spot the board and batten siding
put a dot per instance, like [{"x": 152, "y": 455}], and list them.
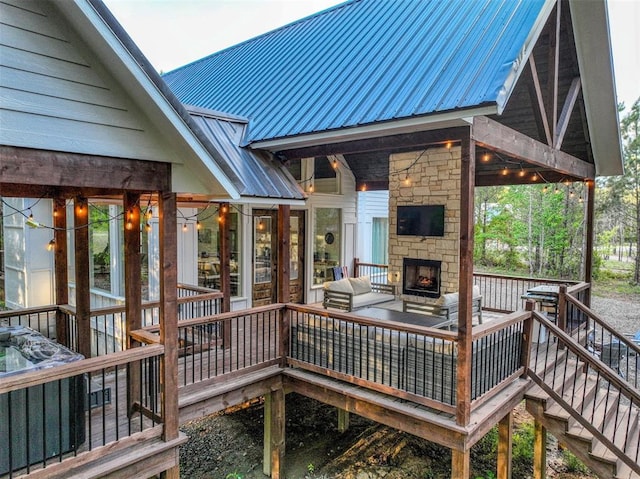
[
  {"x": 56, "y": 95},
  {"x": 371, "y": 204}
]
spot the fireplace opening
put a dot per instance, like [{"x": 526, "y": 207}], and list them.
[{"x": 421, "y": 277}]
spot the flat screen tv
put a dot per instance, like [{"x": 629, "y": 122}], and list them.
[{"x": 423, "y": 220}]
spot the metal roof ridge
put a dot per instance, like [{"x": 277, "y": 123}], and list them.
[{"x": 218, "y": 115}]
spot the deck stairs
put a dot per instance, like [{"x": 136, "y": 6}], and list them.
[{"x": 584, "y": 403}]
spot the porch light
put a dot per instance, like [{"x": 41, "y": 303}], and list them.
[{"x": 52, "y": 244}]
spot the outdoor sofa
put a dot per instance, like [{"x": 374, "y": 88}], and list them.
[{"x": 349, "y": 294}]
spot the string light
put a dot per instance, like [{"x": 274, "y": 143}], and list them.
[
  {"x": 147, "y": 227},
  {"x": 184, "y": 228},
  {"x": 448, "y": 145},
  {"x": 364, "y": 187},
  {"x": 55, "y": 212},
  {"x": 534, "y": 177},
  {"x": 149, "y": 213},
  {"x": 485, "y": 157},
  {"x": 51, "y": 246},
  {"x": 505, "y": 171},
  {"x": 260, "y": 225},
  {"x": 334, "y": 163},
  {"x": 129, "y": 225},
  {"x": 407, "y": 181},
  {"x": 198, "y": 225}
]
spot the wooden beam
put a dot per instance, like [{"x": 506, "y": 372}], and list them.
[
  {"x": 553, "y": 68},
  {"x": 537, "y": 101},
  {"x": 29, "y": 166},
  {"x": 343, "y": 420},
  {"x": 167, "y": 221},
  {"x": 83, "y": 287},
  {"x": 490, "y": 134},
  {"x": 567, "y": 109},
  {"x": 460, "y": 464},
  {"x": 278, "y": 421},
  {"x": 405, "y": 142},
  {"x": 505, "y": 439},
  {"x": 61, "y": 273},
  {"x": 284, "y": 254},
  {"x": 465, "y": 282},
  {"x": 539, "y": 450}
]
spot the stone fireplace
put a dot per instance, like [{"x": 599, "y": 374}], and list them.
[
  {"x": 435, "y": 180},
  {"x": 421, "y": 277}
]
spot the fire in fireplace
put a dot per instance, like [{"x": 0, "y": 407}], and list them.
[{"x": 421, "y": 277}]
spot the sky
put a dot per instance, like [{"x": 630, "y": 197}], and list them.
[{"x": 172, "y": 33}]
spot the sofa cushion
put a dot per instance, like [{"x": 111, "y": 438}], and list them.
[
  {"x": 360, "y": 285},
  {"x": 447, "y": 299},
  {"x": 340, "y": 286},
  {"x": 367, "y": 299}
]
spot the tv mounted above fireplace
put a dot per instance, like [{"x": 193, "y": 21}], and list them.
[{"x": 422, "y": 220}]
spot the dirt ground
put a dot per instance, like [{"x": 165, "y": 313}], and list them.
[{"x": 229, "y": 446}]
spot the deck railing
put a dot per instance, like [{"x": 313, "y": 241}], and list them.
[
  {"x": 108, "y": 325},
  {"x": 503, "y": 294},
  {"x": 53, "y": 414},
  {"x": 378, "y": 273},
  {"x": 586, "y": 387},
  {"x": 412, "y": 362},
  {"x": 619, "y": 352}
]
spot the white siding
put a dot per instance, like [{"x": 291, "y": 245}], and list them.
[
  {"x": 371, "y": 204},
  {"x": 55, "y": 95}
]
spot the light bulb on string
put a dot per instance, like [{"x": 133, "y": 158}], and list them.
[
  {"x": 364, "y": 187},
  {"x": 334, "y": 163},
  {"x": 407, "y": 181},
  {"x": 198, "y": 225},
  {"x": 505, "y": 171},
  {"x": 51, "y": 246},
  {"x": 149, "y": 213},
  {"x": 147, "y": 227},
  {"x": 184, "y": 228}
]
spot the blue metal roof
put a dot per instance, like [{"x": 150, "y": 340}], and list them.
[
  {"x": 253, "y": 173},
  {"x": 362, "y": 62}
]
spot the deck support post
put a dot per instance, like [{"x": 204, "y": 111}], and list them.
[
  {"x": 169, "y": 320},
  {"x": 225, "y": 257},
  {"x": 465, "y": 282},
  {"x": 266, "y": 446},
  {"x": 539, "y": 450},
  {"x": 505, "y": 437},
  {"x": 460, "y": 464},
  {"x": 61, "y": 271},
  {"x": 276, "y": 433},
  {"x": 83, "y": 291},
  {"x": 589, "y": 237},
  {"x": 343, "y": 420}
]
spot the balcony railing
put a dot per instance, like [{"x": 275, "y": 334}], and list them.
[{"x": 54, "y": 414}]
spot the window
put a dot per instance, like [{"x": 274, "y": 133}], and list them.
[
  {"x": 262, "y": 258},
  {"x": 326, "y": 243},
  {"x": 380, "y": 241},
  {"x": 209, "y": 249},
  {"x": 317, "y": 175}
]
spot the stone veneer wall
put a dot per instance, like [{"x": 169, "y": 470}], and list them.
[{"x": 435, "y": 180}]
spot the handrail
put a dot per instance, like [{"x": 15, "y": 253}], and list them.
[
  {"x": 491, "y": 327},
  {"x": 33, "y": 378},
  {"x": 607, "y": 397}
]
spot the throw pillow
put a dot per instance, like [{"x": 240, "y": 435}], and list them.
[{"x": 361, "y": 285}]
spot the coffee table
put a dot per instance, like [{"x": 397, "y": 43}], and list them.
[{"x": 415, "y": 319}]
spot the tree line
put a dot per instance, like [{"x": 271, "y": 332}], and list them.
[{"x": 539, "y": 229}]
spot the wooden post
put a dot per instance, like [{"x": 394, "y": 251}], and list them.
[
  {"x": 266, "y": 445},
  {"x": 61, "y": 271},
  {"x": 225, "y": 256},
  {"x": 527, "y": 338},
  {"x": 356, "y": 268},
  {"x": 132, "y": 274},
  {"x": 505, "y": 437},
  {"x": 561, "y": 319},
  {"x": 539, "y": 450},
  {"x": 284, "y": 254},
  {"x": 465, "y": 281},
  {"x": 83, "y": 287},
  {"x": 460, "y": 464},
  {"x": 589, "y": 233},
  {"x": 169, "y": 318},
  {"x": 277, "y": 433},
  {"x": 343, "y": 420}
]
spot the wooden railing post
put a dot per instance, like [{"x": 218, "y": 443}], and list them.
[
  {"x": 527, "y": 335},
  {"x": 356, "y": 267},
  {"x": 61, "y": 272},
  {"x": 284, "y": 326},
  {"x": 562, "y": 308}
]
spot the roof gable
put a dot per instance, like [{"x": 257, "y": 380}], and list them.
[{"x": 365, "y": 62}]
